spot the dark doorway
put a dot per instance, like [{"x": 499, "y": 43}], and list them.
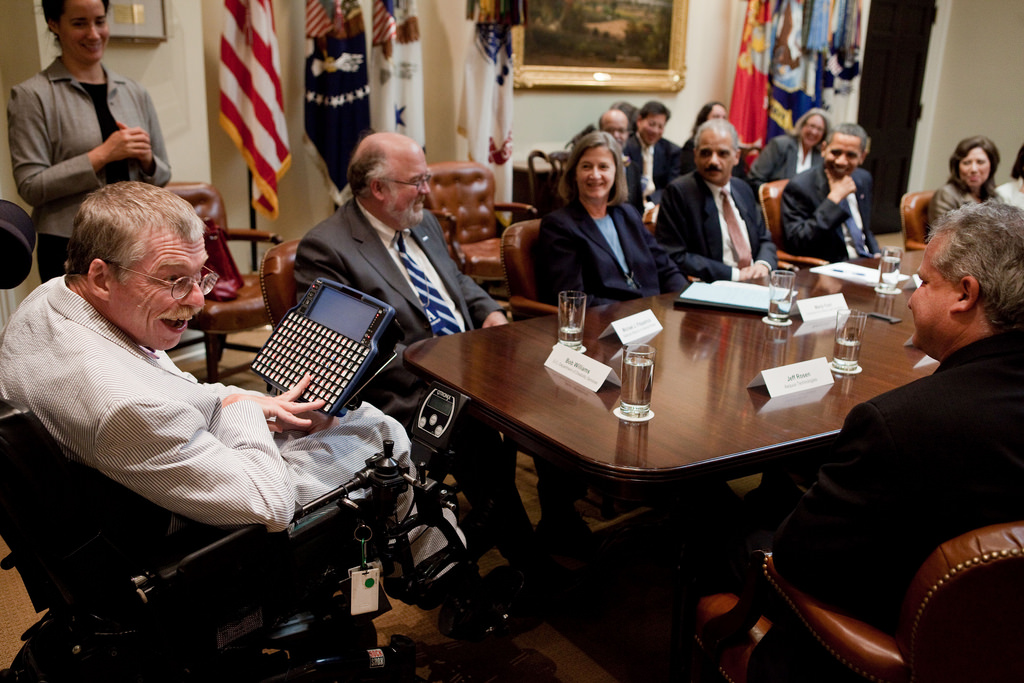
[{"x": 895, "y": 51}]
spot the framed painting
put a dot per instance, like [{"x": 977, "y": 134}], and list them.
[
  {"x": 141, "y": 21},
  {"x": 610, "y": 44}
]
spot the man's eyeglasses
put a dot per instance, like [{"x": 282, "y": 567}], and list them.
[
  {"x": 422, "y": 183},
  {"x": 182, "y": 286}
]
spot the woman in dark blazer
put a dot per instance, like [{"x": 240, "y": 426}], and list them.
[{"x": 598, "y": 242}]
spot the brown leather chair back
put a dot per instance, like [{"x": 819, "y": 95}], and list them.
[
  {"x": 277, "y": 280},
  {"x": 770, "y": 196},
  {"x": 464, "y": 189},
  {"x": 914, "y": 218},
  {"x": 545, "y": 171},
  {"x": 960, "y": 619},
  {"x": 205, "y": 197},
  {"x": 517, "y": 258}
]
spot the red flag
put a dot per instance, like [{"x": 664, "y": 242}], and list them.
[
  {"x": 251, "y": 104},
  {"x": 748, "y": 111}
]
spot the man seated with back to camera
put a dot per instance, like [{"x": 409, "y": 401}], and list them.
[
  {"x": 362, "y": 245},
  {"x": 86, "y": 354},
  {"x": 924, "y": 463}
]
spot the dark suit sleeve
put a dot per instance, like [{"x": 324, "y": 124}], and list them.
[
  {"x": 559, "y": 266},
  {"x": 670, "y": 279},
  {"x": 845, "y": 541},
  {"x": 682, "y": 239},
  {"x": 315, "y": 258},
  {"x": 769, "y": 165},
  {"x": 809, "y": 225}
]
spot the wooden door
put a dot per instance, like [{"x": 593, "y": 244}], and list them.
[{"x": 895, "y": 51}]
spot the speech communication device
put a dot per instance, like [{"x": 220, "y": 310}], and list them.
[{"x": 333, "y": 335}]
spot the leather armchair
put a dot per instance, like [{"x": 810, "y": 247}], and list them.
[
  {"x": 959, "y": 618},
  {"x": 914, "y": 218},
  {"x": 545, "y": 173},
  {"x": 218, "y": 319},
  {"x": 770, "y": 196},
  {"x": 277, "y": 280},
  {"x": 517, "y": 245},
  {"x": 462, "y": 195}
]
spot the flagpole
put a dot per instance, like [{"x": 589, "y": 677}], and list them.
[{"x": 252, "y": 221}]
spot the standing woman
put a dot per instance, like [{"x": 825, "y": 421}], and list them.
[
  {"x": 786, "y": 155},
  {"x": 598, "y": 242},
  {"x": 77, "y": 126},
  {"x": 972, "y": 170}
]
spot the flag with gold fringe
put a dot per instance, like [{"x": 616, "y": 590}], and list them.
[
  {"x": 337, "y": 94},
  {"x": 749, "y": 105},
  {"x": 485, "y": 114},
  {"x": 800, "y": 44},
  {"x": 396, "y": 70},
  {"x": 251, "y": 104}
]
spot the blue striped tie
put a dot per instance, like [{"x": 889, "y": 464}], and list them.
[{"x": 442, "y": 320}]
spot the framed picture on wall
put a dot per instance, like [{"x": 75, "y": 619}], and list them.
[
  {"x": 611, "y": 44},
  {"x": 141, "y": 21}
]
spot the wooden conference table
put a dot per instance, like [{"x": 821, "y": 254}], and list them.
[{"x": 707, "y": 422}]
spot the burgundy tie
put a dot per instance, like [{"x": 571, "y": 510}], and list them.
[{"x": 739, "y": 245}]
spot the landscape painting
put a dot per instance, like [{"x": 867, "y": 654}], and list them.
[{"x": 627, "y": 44}]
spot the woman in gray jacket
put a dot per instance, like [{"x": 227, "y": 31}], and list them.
[{"x": 77, "y": 126}]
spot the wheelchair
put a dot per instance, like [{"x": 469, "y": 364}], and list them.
[{"x": 204, "y": 604}]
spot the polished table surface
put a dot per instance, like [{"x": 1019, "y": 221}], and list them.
[{"x": 707, "y": 422}]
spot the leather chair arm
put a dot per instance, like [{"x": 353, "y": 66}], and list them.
[
  {"x": 528, "y": 209},
  {"x": 914, "y": 245},
  {"x": 528, "y": 308},
  {"x": 254, "y": 235},
  {"x": 805, "y": 260},
  {"x": 447, "y": 221},
  {"x": 859, "y": 646}
]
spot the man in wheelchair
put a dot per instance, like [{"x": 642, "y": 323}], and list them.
[{"x": 140, "y": 577}]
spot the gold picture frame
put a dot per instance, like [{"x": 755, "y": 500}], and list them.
[
  {"x": 670, "y": 76},
  {"x": 137, "y": 21}
]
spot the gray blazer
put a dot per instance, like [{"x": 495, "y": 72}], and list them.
[
  {"x": 345, "y": 248},
  {"x": 52, "y": 125},
  {"x": 777, "y": 161}
]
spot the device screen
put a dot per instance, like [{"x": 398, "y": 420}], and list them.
[{"x": 343, "y": 314}]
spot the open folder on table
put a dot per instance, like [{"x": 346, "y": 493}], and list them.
[{"x": 733, "y": 296}]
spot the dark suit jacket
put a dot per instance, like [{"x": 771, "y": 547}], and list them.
[
  {"x": 813, "y": 224},
  {"x": 778, "y": 160},
  {"x": 689, "y": 229},
  {"x": 666, "y": 162},
  {"x": 573, "y": 254},
  {"x": 345, "y": 248},
  {"x": 910, "y": 470}
]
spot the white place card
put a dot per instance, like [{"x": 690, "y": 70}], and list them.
[
  {"x": 634, "y": 329},
  {"x": 578, "y": 367},
  {"x": 852, "y": 272},
  {"x": 819, "y": 307},
  {"x": 789, "y": 379}
]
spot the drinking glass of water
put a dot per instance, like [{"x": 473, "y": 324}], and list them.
[
  {"x": 572, "y": 309},
  {"x": 849, "y": 332},
  {"x": 781, "y": 294},
  {"x": 637, "y": 381},
  {"x": 889, "y": 270}
]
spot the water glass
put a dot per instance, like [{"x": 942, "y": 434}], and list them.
[
  {"x": 572, "y": 309},
  {"x": 889, "y": 270},
  {"x": 849, "y": 332},
  {"x": 781, "y": 295},
  {"x": 637, "y": 380}
]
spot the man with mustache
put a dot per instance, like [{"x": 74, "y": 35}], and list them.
[
  {"x": 86, "y": 353},
  {"x": 709, "y": 222}
]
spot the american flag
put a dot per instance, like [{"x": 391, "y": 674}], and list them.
[{"x": 251, "y": 104}]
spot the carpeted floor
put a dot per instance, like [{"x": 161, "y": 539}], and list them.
[{"x": 613, "y": 625}]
